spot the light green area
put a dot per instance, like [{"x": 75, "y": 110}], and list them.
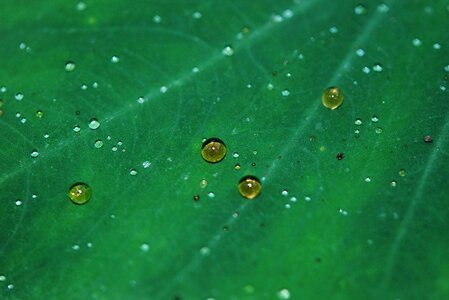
[{"x": 349, "y": 235}]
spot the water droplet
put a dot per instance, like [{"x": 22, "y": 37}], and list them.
[
  {"x": 196, "y": 198},
  {"x": 133, "y": 172},
  {"x": 76, "y": 247},
  {"x": 80, "y": 6},
  {"x": 10, "y": 286},
  {"x": 144, "y": 247},
  {"x": 285, "y": 193},
  {"x": 18, "y": 96},
  {"x": 237, "y": 167},
  {"x": 393, "y": 183},
  {"x": 23, "y": 120},
  {"x": 360, "y": 9},
  {"x": 3, "y": 89},
  {"x": 94, "y": 123},
  {"x": 213, "y": 150},
  {"x": 284, "y": 294},
  {"x": 95, "y": 85},
  {"x": 285, "y": 93},
  {"x": 428, "y": 139},
  {"x": 416, "y": 42},
  {"x": 140, "y": 100},
  {"x": 119, "y": 143},
  {"x": 343, "y": 212},
  {"x": 249, "y": 187},
  {"x": 360, "y": 52},
  {"x": 270, "y": 86},
  {"x": 18, "y": 202},
  {"x": 378, "y": 130},
  {"x": 146, "y": 164},
  {"x": 436, "y": 46},
  {"x": 277, "y": 18},
  {"x": 157, "y": 19},
  {"x": 114, "y": 148},
  {"x": 34, "y": 196},
  {"x": 377, "y": 68},
  {"x": 203, "y": 183},
  {"x": 89, "y": 245},
  {"x": 402, "y": 172},
  {"x": 211, "y": 195},
  {"x": 333, "y": 29},
  {"x": 367, "y": 179},
  {"x": 34, "y": 153},
  {"x": 197, "y": 15},
  {"x": 375, "y": 119},
  {"x": 227, "y": 51},
  {"x": 204, "y": 251},
  {"x": 288, "y": 13},
  {"x": 358, "y": 122},
  {"x": 293, "y": 199},
  {"x": 80, "y": 193},
  {"x": 70, "y": 66},
  {"x": 76, "y": 128},
  {"x": 366, "y": 70},
  {"x": 46, "y": 136},
  {"x": 115, "y": 59},
  {"x": 163, "y": 89},
  {"x": 332, "y": 97},
  {"x": 39, "y": 114},
  {"x": 2, "y": 277},
  {"x": 84, "y": 87},
  {"x": 98, "y": 144}
]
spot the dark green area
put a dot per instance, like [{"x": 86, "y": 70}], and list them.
[{"x": 344, "y": 237}]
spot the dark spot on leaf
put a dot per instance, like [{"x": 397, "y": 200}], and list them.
[
  {"x": 340, "y": 156},
  {"x": 196, "y": 197}
]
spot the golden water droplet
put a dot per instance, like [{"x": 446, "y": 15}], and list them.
[
  {"x": 237, "y": 167},
  {"x": 249, "y": 187},
  {"x": 214, "y": 150},
  {"x": 80, "y": 193},
  {"x": 332, "y": 97},
  {"x": 203, "y": 183},
  {"x": 402, "y": 172}
]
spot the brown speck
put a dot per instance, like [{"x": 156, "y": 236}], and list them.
[
  {"x": 196, "y": 197},
  {"x": 428, "y": 139},
  {"x": 340, "y": 156}
]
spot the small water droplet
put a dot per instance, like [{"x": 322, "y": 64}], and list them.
[
  {"x": 34, "y": 153},
  {"x": 378, "y": 68},
  {"x": 288, "y": 13},
  {"x": 228, "y": 51},
  {"x": 203, "y": 183},
  {"x": 18, "y": 96},
  {"x": 114, "y": 148},
  {"x": 204, "y": 251},
  {"x": 416, "y": 42},
  {"x": 146, "y": 164},
  {"x": 235, "y": 155},
  {"x": 115, "y": 59},
  {"x": 140, "y": 100},
  {"x": 133, "y": 172},
  {"x": 23, "y": 120},
  {"x": 46, "y": 136},
  {"x": 360, "y": 52},
  {"x": 375, "y": 119},
  {"x": 383, "y": 8},
  {"x": 70, "y": 66},
  {"x": 428, "y": 139},
  {"x": 80, "y": 193},
  {"x": 2, "y": 278},
  {"x": 163, "y": 89},
  {"x": 285, "y": 93},
  {"x": 284, "y": 193},
  {"x": 80, "y": 6},
  {"x": 237, "y": 167},
  {"x": 197, "y": 15},
  {"x": 378, "y": 130},
  {"x": 332, "y": 98},
  {"x": 284, "y": 294},
  {"x": 144, "y": 247},
  {"x": 436, "y": 46},
  {"x": 94, "y": 124},
  {"x": 84, "y": 86},
  {"x": 76, "y": 247},
  {"x": 393, "y": 183},
  {"x": 249, "y": 187},
  {"x": 367, "y": 179},
  {"x": 360, "y": 9},
  {"x": 366, "y": 70},
  {"x": 39, "y": 114},
  {"x": 76, "y": 129},
  {"x": 270, "y": 86},
  {"x": 157, "y": 19},
  {"x": 213, "y": 150},
  {"x": 18, "y": 202},
  {"x": 293, "y": 199},
  {"x": 211, "y": 195},
  {"x": 307, "y": 198},
  {"x": 358, "y": 122},
  {"x": 10, "y": 286},
  {"x": 343, "y": 212},
  {"x": 402, "y": 172},
  {"x": 333, "y": 29},
  {"x": 98, "y": 144}
]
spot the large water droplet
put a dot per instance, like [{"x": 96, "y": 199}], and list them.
[{"x": 94, "y": 123}]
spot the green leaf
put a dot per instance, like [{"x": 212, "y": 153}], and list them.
[{"x": 322, "y": 228}]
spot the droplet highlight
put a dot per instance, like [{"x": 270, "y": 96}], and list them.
[
  {"x": 249, "y": 187},
  {"x": 213, "y": 150},
  {"x": 332, "y": 98},
  {"x": 80, "y": 193}
]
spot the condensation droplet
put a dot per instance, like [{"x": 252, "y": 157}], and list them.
[
  {"x": 284, "y": 294},
  {"x": 378, "y": 130},
  {"x": 157, "y": 19},
  {"x": 80, "y": 193},
  {"x": 284, "y": 193},
  {"x": 204, "y": 251},
  {"x": 146, "y": 164},
  {"x": 76, "y": 129},
  {"x": 367, "y": 179},
  {"x": 360, "y": 52},
  {"x": 115, "y": 59},
  {"x": 249, "y": 187},
  {"x": 375, "y": 119},
  {"x": 98, "y": 144},
  {"x": 378, "y": 68},
  {"x": 203, "y": 183},
  {"x": 332, "y": 98},
  {"x": 228, "y": 51},
  {"x": 19, "y": 96},
  {"x": 70, "y": 66},
  {"x": 402, "y": 172},
  {"x": 285, "y": 93},
  {"x": 416, "y": 42},
  {"x": 144, "y": 247},
  {"x": 34, "y": 153},
  {"x": 393, "y": 183},
  {"x": 39, "y": 114},
  {"x": 360, "y": 9},
  {"x": 94, "y": 124},
  {"x": 213, "y": 150},
  {"x": 133, "y": 172},
  {"x": 358, "y": 122},
  {"x": 18, "y": 202},
  {"x": 163, "y": 89}
]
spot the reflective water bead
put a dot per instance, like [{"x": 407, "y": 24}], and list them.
[
  {"x": 80, "y": 193},
  {"x": 332, "y": 98},
  {"x": 213, "y": 150},
  {"x": 94, "y": 123},
  {"x": 228, "y": 51},
  {"x": 70, "y": 66},
  {"x": 249, "y": 187}
]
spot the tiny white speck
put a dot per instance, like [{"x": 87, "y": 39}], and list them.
[
  {"x": 163, "y": 89},
  {"x": 10, "y": 286},
  {"x": 333, "y": 29},
  {"x": 146, "y": 164},
  {"x": 277, "y": 18}
]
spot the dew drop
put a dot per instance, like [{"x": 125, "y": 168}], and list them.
[
  {"x": 368, "y": 179},
  {"x": 18, "y": 96},
  {"x": 378, "y": 130},
  {"x": 211, "y": 195},
  {"x": 18, "y": 202},
  {"x": 332, "y": 98},
  {"x": 140, "y": 100},
  {"x": 98, "y": 144},
  {"x": 94, "y": 124},
  {"x": 375, "y": 119},
  {"x": 284, "y": 294},
  {"x": 284, "y": 193},
  {"x": 235, "y": 155},
  {"x": 402, "y": 172},
  {"x": 76, "y": 247},
  {"x": 360, "y": 52},
  {"x": 436, "y": 46},
  {"x": 10, "y": 286},
  {"x": 157, "y": 19},
  {"x": 358, "y": 122},
  {"x": 237, "y": 167},
  {"x": 144, "y": 247},
  {"x": 227, "y": 51},
  {"x": 76, "y": 128},
  {"x": 146, "y": 164},
  {"x": 23, "y": 120},
  {"x": 39, "y": 114},
  {"x": 285, "y": 93},
  {"x": 360, "y": 9},
  {"x": 204, "y": 251},
  {"x": 378, "y": 68},
  {"x": 133, "y": 172},
  {"x": 416, "y": 42},
  {"x": 366, "y": 70},
  {"x": 428, "y": 139},
  {"x": 2, "y": 278},
  {"x": 197, "y": 15},
  {"x": 163, "y": 89},
  {"x": 115, "y": 59},
  {"x": 80, "y": 6},
  {"x": 70, "y": 66},
  {"x": 393, "y": 183},
  {"x": 213, "y": 150},
  {"x": 383, "y": 8},
  {"x": 34, "y": 153},
  {"x": 203, "y": 183},
  {"x": 333, "y": 29},
  {"x": 249, "y": 187},
  {"x": 80, "y": 193}
]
